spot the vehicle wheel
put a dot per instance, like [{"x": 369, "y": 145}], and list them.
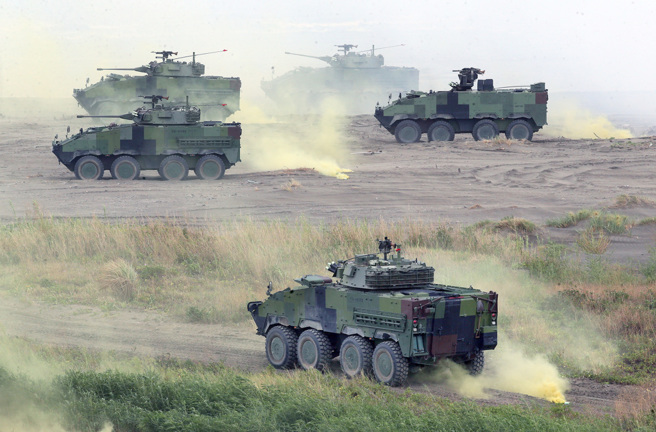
[
  {"x": 407, "y": 131},
  {"x": 89, "y": 168},
  {"x": 210, "y": 167},
  {"x": 173, "y": 168},
  {"x": 125, "y": 168},
  {"x": 519, "y": 130},
  {"x": 475, "y": 365},
  {"x": 355, "y": 356},
  {"x": 441, "y": 131},
  {"x": 314, "y": 350},
  {"x": 485, "y": 129},
  {"x": 390, "y": 367},
  {"x": 281, "y": 347}
]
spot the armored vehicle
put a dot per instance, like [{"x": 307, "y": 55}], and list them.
[
  {"x": 169, "y": 139},
  {"x": 354, "y": 80},
  {"x": 519, "y": 111},
  {"x": 219, "y": 96},
  {"x": 383, "y": 316}
]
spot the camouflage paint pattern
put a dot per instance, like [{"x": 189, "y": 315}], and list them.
[
  {"x": 429, "y": 322},
  {"x": 173, "y": 79},
  {"x": 463, "y": 109},
  {"x": 150, "y": 144}
]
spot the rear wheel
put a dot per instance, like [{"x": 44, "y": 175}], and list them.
[
  {"x": 407, "y": 131},
  {"x": 441, "y": 131},
  {"x": 125, "y": 168},
  {"x": 314, "y": 350},
  {"x": 281, "y": 347},
  {"x": 89, "y": 168},
  {"x": 355, "y": 356},
  {"x": 485, "y": 129},
  {"x": 519, "y": 130},
  {"x": 210, "y": 167},
  {"x": 476, "y": 364},
  {"x": 390, "y": 367},
  {"x": 173, "y": 168}
]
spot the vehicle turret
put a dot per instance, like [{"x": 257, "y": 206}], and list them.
[{"x": 158, "y": 114}]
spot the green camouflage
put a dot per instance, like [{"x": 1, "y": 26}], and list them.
[
  {"x": 169, "y": 139},
  {"x": 219, "y": 96},
  {"x": 519, "y": 112},
  {"x": 392, "y": 300}
]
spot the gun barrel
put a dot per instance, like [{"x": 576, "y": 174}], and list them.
[
  {"x": 128, "y": 116},
  {"x": 136, "y": 69},
  {"x": 322, "y": 58}
]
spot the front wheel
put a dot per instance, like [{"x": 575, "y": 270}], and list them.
[
  {"x": 281, "y": 347},
  {"x": 173, "y": 168},
  {"x": 441, "y": 131},
  {"x": 314, "y": 350},
  {"x": 210, "y": 167},
  {"x": 519, "y": 130},
  {"x": 407, "y": 131},
  {"x": 390, "y": 367},
  {"x": 125, "y": 168},
  {"x": 485, "y": 129},
  {"x": 89, "y": 168}
]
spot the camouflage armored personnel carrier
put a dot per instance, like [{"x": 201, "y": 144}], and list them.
[
  {"x": 355, "y": 80},
  {"x": 218, "y": 96},
  {"x": 169, "y": 139},
  {"x": 383, "y": 317},
  {"x": 519, "y": 112}
]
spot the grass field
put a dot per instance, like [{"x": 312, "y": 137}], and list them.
[{"x": 589, "y": 317}]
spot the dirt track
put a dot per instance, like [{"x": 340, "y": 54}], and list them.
[{"x": 461, "y": 182}]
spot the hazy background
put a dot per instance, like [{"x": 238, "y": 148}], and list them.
[{"x": 579, "y": 48}]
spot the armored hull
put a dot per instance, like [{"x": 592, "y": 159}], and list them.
[
  {"x": 517, "y": 112},
  {"x": 352, "y": 90},
  {"x": 171, "y": 141},
  {"x": 383, "y": 318},
  {"x": 119, "y": 93}
]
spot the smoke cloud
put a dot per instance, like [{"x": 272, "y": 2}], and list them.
[{"x": 567, "y": 118}]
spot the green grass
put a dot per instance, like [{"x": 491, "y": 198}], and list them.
[
  {"x": 572, "y": 219},
  {"x": 191, "y": 397}
]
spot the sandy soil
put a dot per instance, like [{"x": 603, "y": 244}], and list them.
[{"x": 460, "y": 182}]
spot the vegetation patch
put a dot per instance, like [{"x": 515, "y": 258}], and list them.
[
  {"x": 572, "y": 219},
  {"x": 593, "y": 241},
  {"x": 631, "y": 201}
]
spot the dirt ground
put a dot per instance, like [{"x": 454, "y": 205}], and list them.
[{"x": 460, "y": 182}]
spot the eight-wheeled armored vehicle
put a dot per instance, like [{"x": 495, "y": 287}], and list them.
[
  {"x": 518, "y": 111},
  {"x": 169, "y": 139},
  {"x": 353, "y": 81},
  {"x": 382, "y": 316},
  {"x": 217, "y": 95}
]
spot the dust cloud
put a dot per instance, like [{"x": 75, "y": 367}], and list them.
[
  {"x": 537, "y": 327},
  {"x": 314, "y": 141},
  {"x": 567, "y": 118}
]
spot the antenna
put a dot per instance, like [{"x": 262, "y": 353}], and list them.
[
  {"x": 372, "y": 48},
  {"x": 196, "y": 55}
]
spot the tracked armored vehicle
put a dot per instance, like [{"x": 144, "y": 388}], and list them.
[
  {"x": 353, "y": 82},
  {"x": 169, "y": 139},
  {"x": 383, "y": 316},
  {"x": 217, "y": 95},
  {"x": 517, "y": 111}
]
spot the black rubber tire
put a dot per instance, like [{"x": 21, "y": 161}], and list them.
[
  {"x": 280, "y": 347},
  {"x": 314, "y": 350},
  {"x": 475, "y": 366},
  {"x": 390, "y": 367},
  {"x": 485, "y": 129},
  {"x": 441, "y": 131},
  {"x": 173, "y": 168},
  {"x": 210, "y": 167},
  {"x": 407, "y": 131},
  {"x": 519, "y": 130},
  {"x": 355, "y": 356},
  {"x": 125, "y": 168},
  {"x": 89, "y": 168}
]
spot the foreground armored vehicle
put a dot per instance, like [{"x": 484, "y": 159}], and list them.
[
  {"x": 169, "y": 139},
  {"x": 219, "y": 96},
  {"x": 354, "y": 80},
  {"x": 519, "y": 112},
  {"x": 382, "y": 317}
]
